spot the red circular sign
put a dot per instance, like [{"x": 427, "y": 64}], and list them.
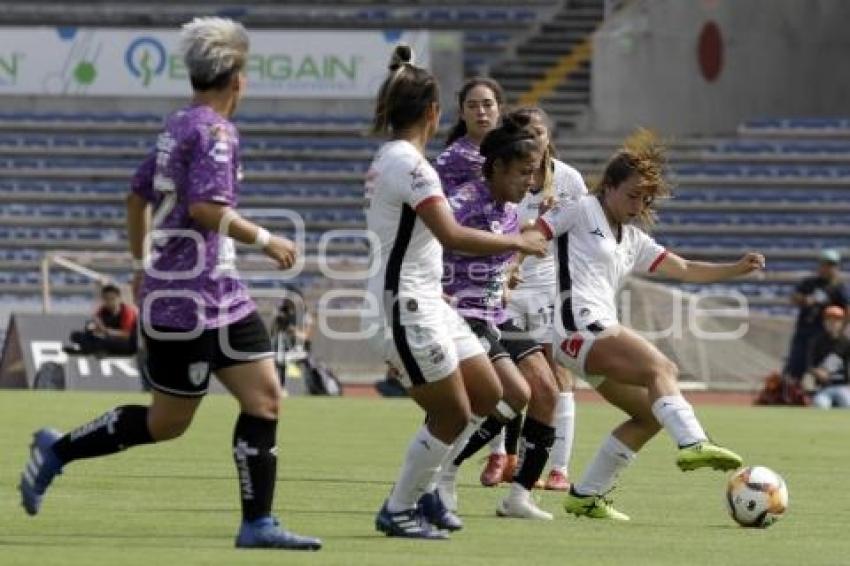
[{"x": 710, "y": 51}]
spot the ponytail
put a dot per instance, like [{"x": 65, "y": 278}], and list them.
[{"x": 401, "y": 55}]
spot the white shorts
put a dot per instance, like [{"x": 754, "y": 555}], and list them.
[
  {"x": 572, "y": 349},
  {"x": 426, "y": 343},
  {"x": 532, "y": 310}
]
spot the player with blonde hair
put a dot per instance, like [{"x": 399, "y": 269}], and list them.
[
  {"x": 531, "y": 302},
  {"x": 197, "y": 324}
]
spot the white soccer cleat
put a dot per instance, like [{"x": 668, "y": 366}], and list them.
[{"x": 521, "y": 507}]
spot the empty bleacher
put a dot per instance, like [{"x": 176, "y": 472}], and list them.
[
  {"x": 64, "y": 187},
  {"x": 489, "y": 27}
]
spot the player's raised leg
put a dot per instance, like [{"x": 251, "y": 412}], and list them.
[{"x": 116, "y": 430}]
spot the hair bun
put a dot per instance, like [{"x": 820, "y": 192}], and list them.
[
  {"x": 402, "y": 54},
  {"x": 515, "y": 121}
]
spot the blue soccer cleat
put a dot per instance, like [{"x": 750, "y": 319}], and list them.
[
  {"x": 266, "y": 532},
  {"x": 410, "y": 523},
  {"x": 40, "y": 470},
  {"x": 437, "y": 513}
]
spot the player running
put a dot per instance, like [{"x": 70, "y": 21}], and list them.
[
  {"x": 597, "y": 246},
  {"x": 197, "y": 316},
  {"x": 409, "y": 325}
]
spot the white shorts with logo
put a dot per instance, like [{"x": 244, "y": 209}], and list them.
[
  {"x": 572, "y": 347},
  {"x": 532, "y": 310},
  {"x": 425, "y": 342}
]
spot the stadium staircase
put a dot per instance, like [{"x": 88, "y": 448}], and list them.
[
  {"x": 488, "y": 27},
  {"x": 551, "y": 67}
]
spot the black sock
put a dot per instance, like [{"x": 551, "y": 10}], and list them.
[
  {"x": 512, "y": 430},
  {"x": 120, "y": 428},
  {"x": 535, "y": 444},
  {"x": 255, "y": 454},
  {"x": 488, "y": 429}
]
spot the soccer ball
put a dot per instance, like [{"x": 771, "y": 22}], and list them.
[{"x": 756, "y": 496}]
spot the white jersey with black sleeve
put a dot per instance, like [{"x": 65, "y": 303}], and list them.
[
  {"x": 406, "y": 321},
  {"x": 399, "y": 181},
  {"x": 592, "y": 264}
]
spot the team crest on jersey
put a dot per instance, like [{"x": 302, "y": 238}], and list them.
[
  {"x": 496, "y": 226},
  {"x": 198, "y": 372},
  {"x": 572, "y": 345},
  {"x": 420, "y": 182},
  {"x": 436, "y": 355}
]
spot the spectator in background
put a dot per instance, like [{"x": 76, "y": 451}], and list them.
[
  {"x": 291, "y": 333},
  {"x": 112, "y": 330},
  {"x": 813, "y": 295},
  {"x": 829, "y": 361}
]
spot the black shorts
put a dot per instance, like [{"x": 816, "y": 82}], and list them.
[
  {"x": 498, "y": 343},
  {"x": 182, "y": 367}
]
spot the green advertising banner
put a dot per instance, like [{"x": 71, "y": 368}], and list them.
[{"x": 146, "y": 62}]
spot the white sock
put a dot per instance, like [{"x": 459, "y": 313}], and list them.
[
  {"x": 518, "y": 491},
  {"x": 448, "y": 471},
  {"x": 421, "y": 465},
  {"x": 497, "y": 443},
  {"x": 677, "y": 417},
  {"x": 565, "y": 427},
  {"x": 611, "y": 459}
]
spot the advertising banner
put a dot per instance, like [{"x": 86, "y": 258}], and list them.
[
  {"x": 34, "y": 341},
  {"x": 345, "y": 64}
]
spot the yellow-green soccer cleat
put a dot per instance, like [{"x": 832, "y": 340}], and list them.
[
  {"x": 707, "y": 455},
  {"x": 593, "y": 506}
]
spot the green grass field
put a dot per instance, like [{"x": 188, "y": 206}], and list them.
[{"x": 177, "y": 503}]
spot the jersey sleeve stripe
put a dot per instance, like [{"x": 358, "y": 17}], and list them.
[
  {"x": 657, "y": 261},
  {"x": 546, "y": 228},
  {"x": 427, "y": 201}
]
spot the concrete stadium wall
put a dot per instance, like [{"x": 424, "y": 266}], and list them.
[{"x": 657, "y": 63}]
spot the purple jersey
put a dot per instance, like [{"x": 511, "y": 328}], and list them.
[
  {"x": 193, "y": 281},
  {"x": 459, "y": 163},
  {"x": 476, "y": 283}
]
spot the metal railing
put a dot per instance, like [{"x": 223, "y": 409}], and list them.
[{"x": 71, "y": 262}]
